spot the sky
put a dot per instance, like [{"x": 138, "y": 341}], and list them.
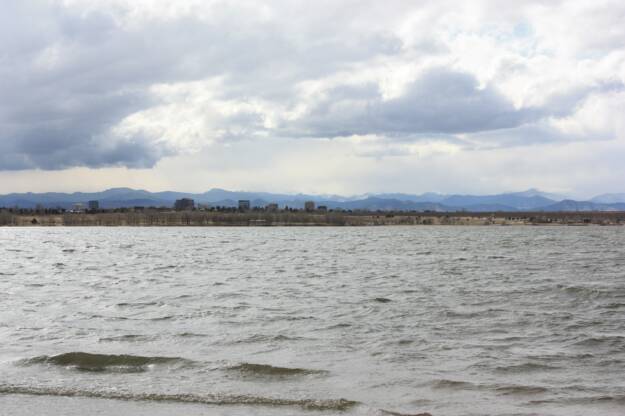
[{"x": 327, "y": 97}]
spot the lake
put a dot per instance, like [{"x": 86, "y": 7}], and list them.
[{"x": 312, "y": 321}]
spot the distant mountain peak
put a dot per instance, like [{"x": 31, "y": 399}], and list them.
[
  {"x": 614, "y": 198},
  {"x": 121, "y": 189},
  {"x": 529, "y": 200},
  {"x": 534, "y": 192}
]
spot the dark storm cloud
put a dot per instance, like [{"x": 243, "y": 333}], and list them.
[
  {"x": 69, "y": 77},
  {"x": 48, "y": 154},
  {"x": 62, "y": 91},
  {"x": 59, "y": 125},
  {"x": 441, "y": 102}
]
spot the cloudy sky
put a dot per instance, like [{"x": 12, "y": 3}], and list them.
[{"x": 323, "y": 97}]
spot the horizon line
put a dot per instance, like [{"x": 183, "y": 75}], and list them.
[{"x": 561, "y": 196}]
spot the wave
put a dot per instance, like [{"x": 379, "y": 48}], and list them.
[
  {"x": 617, "y": 341},
  {"x": 391, "y": 413},
  {"x": 613, "y": 305},
  {"x": 191, "y": 335},
  {"x": 137, "y": 304},
  {"x": 209, "y": 399},
  {"x": 618, "y": 399},
  {"x": 162, "y": 318},
  {"x": 453, "y": 384},
  {"x": 525, "y": 368},
  {"x": 84, "y": 361},
  {"x": 461, "y": 314},
  {"x": 125, "y": 338},
  {"x": 521, "y": 390},
  {"x": 504, "y": 390},
  {"x": 589, "y": 292},
  {"x": 269, "y": 370},
  {"x": 338, "y": 326},
  {"x": 262, "y": 338}
]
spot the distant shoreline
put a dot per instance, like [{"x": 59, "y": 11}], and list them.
[{"x": 300, "y": 218}]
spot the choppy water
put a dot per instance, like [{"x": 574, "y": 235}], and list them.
[{"x": 315, "y": 321}]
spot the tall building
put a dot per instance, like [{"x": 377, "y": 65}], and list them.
[
  {"x": 244, "y": 205},
  {"x": 184, "y": 204},
  {"x": 93, "y": 205},
  {"x": 273, "y": 207},
  {"x": 309, "y": 206}
]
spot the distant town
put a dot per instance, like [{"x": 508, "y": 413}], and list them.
[
  {"x": 183, "y": 204},
  {"x": 185, "y": 212}
]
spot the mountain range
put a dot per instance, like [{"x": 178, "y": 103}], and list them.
[{"x": 530, "y": 200}]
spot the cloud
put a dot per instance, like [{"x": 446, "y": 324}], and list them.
[
  {"x": 129, "y": 83},
  {"x": 74, "y": 75},
  {"x": 53, "y": 127},
  {"x": 440, "y": 102}
]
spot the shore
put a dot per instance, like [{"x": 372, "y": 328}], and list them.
[{"x": 300, "y": 218}]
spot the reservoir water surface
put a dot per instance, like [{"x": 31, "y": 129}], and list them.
[{"x": 312, "y": 321}]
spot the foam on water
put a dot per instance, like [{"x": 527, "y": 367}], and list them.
[{"x": 212, "y": 399}]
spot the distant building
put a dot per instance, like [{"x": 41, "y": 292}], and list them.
[
  {"x": 322, "y": 208},
  {"x": 78, "y": 207},
  {"x": 184, "y": 204},
  {"x": 244, "y": 205},
  {"x": 93, "y": 205},
  {"x": 272, "y": 207},
  {"x": 309, "y": 206}
]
